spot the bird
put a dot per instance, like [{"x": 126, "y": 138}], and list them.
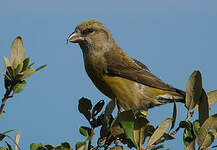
[{"x": 118, "y": 76}]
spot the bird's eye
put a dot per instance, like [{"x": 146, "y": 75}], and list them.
[{"x": 87, "y": 31}]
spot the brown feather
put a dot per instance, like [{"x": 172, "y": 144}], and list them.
[{"x": 120, "y": 64}]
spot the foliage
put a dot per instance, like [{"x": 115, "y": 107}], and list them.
[{"x": 126, "y": 129}]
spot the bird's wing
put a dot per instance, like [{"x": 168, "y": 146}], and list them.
[
  {"x": 141, "y": 65},
  {"x": 120, "y": 64}
]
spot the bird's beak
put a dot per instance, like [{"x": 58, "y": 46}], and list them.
[{"x": 75, "y": 38}]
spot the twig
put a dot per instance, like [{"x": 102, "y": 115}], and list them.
[
  {"x": 5, "y": 98},
  {"x": 90, "y": 139}
]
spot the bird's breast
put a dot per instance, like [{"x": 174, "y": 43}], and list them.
[{"x": 95, "y": 68}]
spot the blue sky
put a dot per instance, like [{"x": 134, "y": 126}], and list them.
[{"x": 173, "y": 38}]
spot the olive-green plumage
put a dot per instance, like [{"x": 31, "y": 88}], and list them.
[{"x": 117, "y": 75}]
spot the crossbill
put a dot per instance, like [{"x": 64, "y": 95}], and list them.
[{"x": 117, "y": 75}]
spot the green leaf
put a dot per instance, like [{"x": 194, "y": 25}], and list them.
[
  {"x": 6, "y": 62},
  {"x": 84, "y": 107},
  {"x": 97, "y": 108},
  {"x": 19, "y": 87},
  {"x": 39, "y": 68},
  {"x": 35, "y": 146},
  {"x": 188, "y": 136},
  {"x": 81, "y": 145},
  {"x": 66, "y": 145},
  {"x": 3, "y": 148},
  {"x": 17, "y": 51},
  {"x": 185, "y": 124},
  {"x": 194, "y": 89},
  {"x": 41, "y": 148},
  {"x": 126, "y": 119},
  {"x": 49, "y": 147},
  {"x": 210, "y": 123},
  {"x": 191, "y": 146},
  {"x": 159, "y": 132},
  {"x": 31, "y": 65},
  {"x": 28, "y": 73},
  {"x": 85, "y": 131},
  {"x": 196, "y": 127},
  {"x": 25, "y": 64},
  {"x": 203, "y": 108}
]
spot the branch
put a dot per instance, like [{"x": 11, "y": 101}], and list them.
[{"x": 5, "y": 98}]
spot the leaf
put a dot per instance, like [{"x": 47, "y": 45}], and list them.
[
  {"x": 9, "y": 146},
  {"x": 208, "y": 140},
  {"x": 174, "y": 116},
  {"x": 115, "y": 128},
  {"x": 17, "y": 51},
  {"x": 126, "y": 119},
  {"x": 210, "y": 123},
  {"x": 3, "y": 148},
  {"x": 97, "y": 108},
  {"x": 49, "y": 147},
  {"x": 31, "y": 65},
  {"x": 28, "y": 73},
  {"x": 110, "y": 108},
  {"x": 11, "y": 72},
  {"x": 185, "y": 124},
  {"x": 19, "y": 87},
  {"x": 39, "y": 68},
  {"x": 66, "y": 145},
  {"x": 194, "y": 89},
  {"x": 157, "y": 147},
  {"x": 41, "y": 148},
  {"x": 16, "y": 63},
  {"x": 141, "y": 124},
  {"x": 196, "y": 127},
  {"x": 26, "y": 63},
  {"x": 6, "y": 62},
  {"x": 165, "y": 137},
  {"x": 85, "y": 131},
  {"x": 203, "y": 108},
  {"x": 18, "y": 69},
  {"x": 2, "y": 135},
  {"x": 17, "y": 138},
  {"x": 117, "y": 147},
  {"x": 81, "y": 145},
  {"x": 188, "y": 137},
  {"x": 35, "y": 146},
  {"x": 159, "y": 132},
  {"x": 212, "y": 98},
  {"x": 84, "y": 107},
  {"x": 191, "y": 146}
]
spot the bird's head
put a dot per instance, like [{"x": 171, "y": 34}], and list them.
[{"x": 91, "y": 34}]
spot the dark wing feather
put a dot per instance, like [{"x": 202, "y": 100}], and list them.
[
  {"x": 120, "y": 64},
  {"x": 141, "y": 65}
]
